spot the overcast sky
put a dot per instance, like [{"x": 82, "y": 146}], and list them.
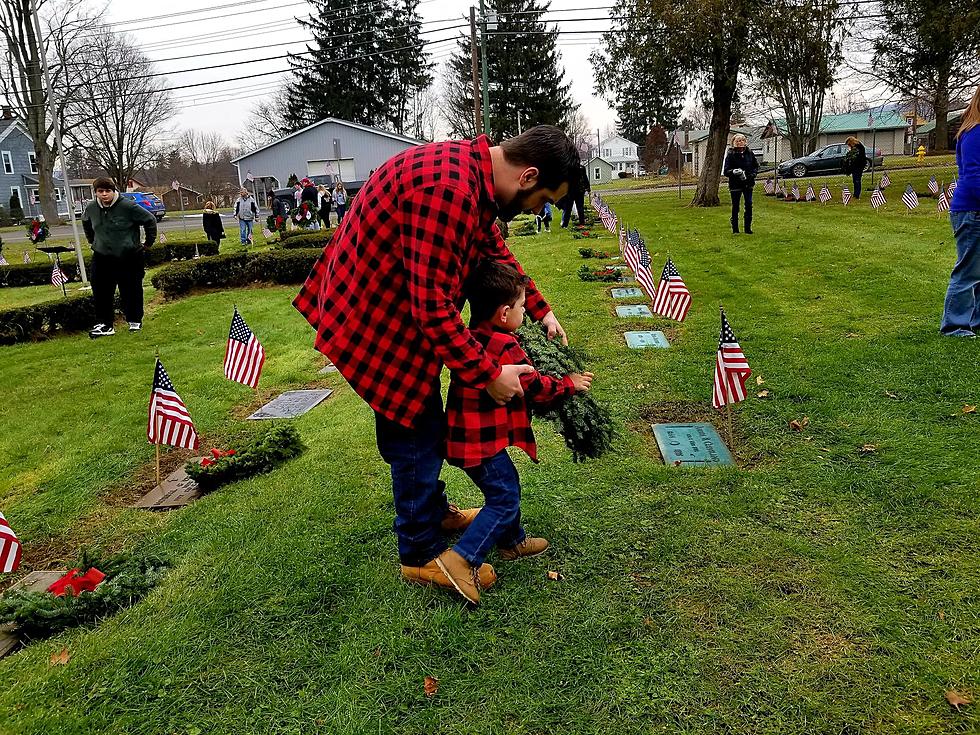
[{"x": 223, "y": 99}]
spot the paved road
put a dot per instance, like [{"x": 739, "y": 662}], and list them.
[{"x": 170, "y": 223}]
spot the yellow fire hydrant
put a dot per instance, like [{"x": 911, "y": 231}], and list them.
[{"x": 920, "y": 153}]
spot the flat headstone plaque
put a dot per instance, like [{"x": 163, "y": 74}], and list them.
[
  {"x": 641, "y": 340},
  {"x": 33, "y": 582},
  {"x": 636, "y": 310},
  {"x": 620, "y": 267},
  {"x": 626, "y": 293},
  {"x": 328, "y": 368},
  {"x": 176, "y": 491},
  {"x": 291, "y": 404},
  {"x": 691, "y": 445}
]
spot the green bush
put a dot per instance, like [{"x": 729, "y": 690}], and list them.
[
  {"x": 322, "y": 234},
  {"x": 27, "y": 323},
  {"x": 307, "y": 240},
  {"x": 270, "y": 447},
  {"x": 223, "y": 271}
]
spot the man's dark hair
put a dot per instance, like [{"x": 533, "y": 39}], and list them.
[
  {"x": 491, "y": 285},
  {"x": 549, "y": 150},
  {"x": 104, "y": 182}
]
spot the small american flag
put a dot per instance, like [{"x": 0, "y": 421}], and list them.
[
  {"x": 673, "y": 300},
  {"x": 58, "y": 277},
  {"x": 810, "y": 195},
  {"x": 196, "y": 253},
  {"x": 162, "y": 238},
  {"x": 845, "y": 195},
  {"x": 622, "y": 241},
  {"x": 933, "y": 185},
  {"x": 943, "y": 204},
  {"x": 731, "y": 368},
  {"x": 770, "y": 186},
  {"x": 950, "y": 189},
  {"x": 878, "y": 198},
  {"x": 169, "y": 421},
  {"x": 871, "y": 122},
  {"x": 825, "y": 195},
  {"x": 795, "y": 193},
  {"x": 885, "y": 181},
  {"x": 639, "y": 259},
  {"x": 909, "y": 197},
  {"x": 9, "y": 547},
  {"x": 27, "y": 257},
  {"x": 3, "y": 260},
  {"x": 244, "y": 356},
  {"x": 595, "y": 201},
  {"x": 780, "y": 189}
]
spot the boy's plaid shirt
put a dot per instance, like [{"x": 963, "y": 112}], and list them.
[
  {"x": 477, "y": 427},
  {"x": 386, "y": 293}
]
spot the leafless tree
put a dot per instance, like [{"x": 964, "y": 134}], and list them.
[
  {"x": 423, "y": 114},
  {"x": 579, "y": 129},
  {"x": 208, "y": 160},
  {"x": 66, "y": 31},
  {"x": 457, "y": 104},
  {"x": 850, "y": 100},
  {"x": 266, "y": 122},
  {"x": 122, "y": 109}
]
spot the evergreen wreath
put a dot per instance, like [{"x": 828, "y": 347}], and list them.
[
  {"x": 607, "y": 274},
  {"x": 41, "y": 614},
  {"x": 276, "y": 223},
  {"x": 38, "y": 230},
  {"x": 586, "y": 425},
  {"x": 591, "y": 253},
  {"x": 255, "y": 455},
  {"x": 305, "y": 215},
  {"x": 584, "y": 235}
]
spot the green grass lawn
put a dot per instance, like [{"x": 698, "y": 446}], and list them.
[{"x": 826, "y": 585}]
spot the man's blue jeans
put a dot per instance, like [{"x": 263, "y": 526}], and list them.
[
  {"x": 961, "y": 312},
  {"x": 499, "y": 522},
  {"x": 415, "y": 457},
  {"x": 245, "y": 230}
]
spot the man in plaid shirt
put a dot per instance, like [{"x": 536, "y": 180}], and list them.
[{"x": 385, "y": 298}]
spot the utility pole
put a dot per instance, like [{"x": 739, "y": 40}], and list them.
[
  {"x": 476, "y": 74},
  {"x": 483, "y": 53},
  {"x": 520, "y": 128},
  {"x": 61, "y": 146},
  {"x": 598, "y": 143}
]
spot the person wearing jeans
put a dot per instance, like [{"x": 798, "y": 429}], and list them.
[
  {"x": 741, "y": 168},
  {"x": 246, "y": 211},
  {"x": 856, "y": 161},
  {"x": 961, "y": 310}
]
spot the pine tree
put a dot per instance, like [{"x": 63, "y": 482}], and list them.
[{"x": 526, "y": 83}]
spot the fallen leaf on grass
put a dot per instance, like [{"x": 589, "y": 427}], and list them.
[
  {"x": 891, "y": 395},
  {"x": 799, "y": 424},
  {"x": 956, "y": 699},
  {"x": 759, "y": 380},
  {"x": 431, "y": 686},
  {"x": 868, "y": 449},
  {"x": 555, "y": 576},
  {"x": 941, "y": 614},
  {"x": 969, "y": 409},
  {"x": 61, "y": 658},
  {"x": 763, "y": 394},
  {"x": 852, "y": 335},
  {"x": 824, "y": 449}
]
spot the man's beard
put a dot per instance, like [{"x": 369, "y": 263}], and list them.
[{"x": 517, "y": 205}]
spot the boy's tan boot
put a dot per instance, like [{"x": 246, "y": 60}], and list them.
[
  {"x": 431, "y": 574},
  {"x": 457, "y": 519},
  {"x": 528, "y": 547},
  {"x": 465, "y": 579}
]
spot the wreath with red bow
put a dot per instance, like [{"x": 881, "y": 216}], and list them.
[{"x": 38, "y": 230}]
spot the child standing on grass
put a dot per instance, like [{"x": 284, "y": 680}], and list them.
[{"x": 480, "y": 429}]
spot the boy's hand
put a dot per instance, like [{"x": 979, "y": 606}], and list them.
[
  {"x": 508, "y": 384},
  {"x": 581, "y": 381}
]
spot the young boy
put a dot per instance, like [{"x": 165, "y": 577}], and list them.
[{"x": 480, "y": 429}]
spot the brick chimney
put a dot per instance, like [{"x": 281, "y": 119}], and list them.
[{"x": 8, "y": 113}]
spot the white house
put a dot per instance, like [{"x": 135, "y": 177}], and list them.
[
  {"x": 600, "y": 170},
  {"x": 620, "y": 153}
]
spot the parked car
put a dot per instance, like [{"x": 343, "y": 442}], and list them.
[
  {"x": 827, "y": 160},
  {"x": 149, "y": 201}
]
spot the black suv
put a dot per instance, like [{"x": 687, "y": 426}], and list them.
[{"x": 827, "y": 160}]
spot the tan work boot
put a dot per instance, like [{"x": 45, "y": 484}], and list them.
[
  {"x": 528, "y": 547},
  {"x": 465, "y": 579},
  {"x": 457, "y": 519},
  {"x": 431, "y": 574}
]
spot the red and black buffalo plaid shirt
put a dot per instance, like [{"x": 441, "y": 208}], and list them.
[
  {"x": 385, "y": 295},
  {"x": 478, "y": 427}
]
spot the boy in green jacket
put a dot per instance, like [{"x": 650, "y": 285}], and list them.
[{"x": 112, "y": 227}]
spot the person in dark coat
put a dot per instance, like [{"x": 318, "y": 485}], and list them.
[
  {"x": 855, "y": 162},
  {"x": 213, "y": 229},
  {"x": 326, "y": 202},
  {"x": 310, "y": 193},
  {"x": 576, "y": 196},
  {"x": 741, "y": 168}
]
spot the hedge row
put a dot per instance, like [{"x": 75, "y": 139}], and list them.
[
  {"x": 293, "y": 234},
  {"x": 38, "y": 273},
  {"x": 25, "y": 323},
  {"x": 307, "y": 240},
  {"x": 239, "y": 269}
]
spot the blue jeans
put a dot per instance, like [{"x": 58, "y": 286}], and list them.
[
  {"x": 856, "y": 177},
  {"x": 415, "y": 457},
  {"x": 245, "y": 230},
  {"x": 341, "y": 208},
  {"x": 961, "y": 312},
  {"x": 499, "y": 522}
]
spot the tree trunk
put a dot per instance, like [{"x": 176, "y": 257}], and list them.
[
  {"x": 706, "y": 194},
  {"x": 940, "y": 106}
]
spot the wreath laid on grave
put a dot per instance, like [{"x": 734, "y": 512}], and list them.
[
  {"x": 527, "y": 227},
  {"x": 260, "y": 453},
  {"x": 585, "y": 424},
  {"x": 276, "y": 223},
  {"x": 305, "y": 215},
  {"x": 37, "y": 230},
  {"x": 584, "y": 235},
  {"x": 590, "y": 253},
  {"x": 601, "y": 274},
  {"x": 83, "y": 599}
]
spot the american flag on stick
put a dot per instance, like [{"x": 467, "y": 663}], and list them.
[
  {"x": 810, "y": 195},
  {"x": 770, "y": 186},
  {"x": 58, "y": 277},
  {"x": 27, "y": 256},
  {"x": 638, "y": 258},
  {"x": 169, "y": 421},
  {"x": 3, "y": 260},
  {"x": 909, "y": 197},
  {"x": 162, "y": 238},
  {"x": 933, "y": 185},
  {"x": 795, "y": 193},
  {"x": 673, "y": 300},
  {"x": 878, "y": 198},
  {"x": 731, "y": 368},
  {"x": 885, "y": 181},
  {"x": 244, "y": 356},
  {"x": 9, "y": 547},
  {"x": 845, "y": 195},
  {"x": 950, "y": 189},
  {"x": 825, "y": 195},
  {"x": 943, "y": 204}
]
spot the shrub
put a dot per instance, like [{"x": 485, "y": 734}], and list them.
[
  {"x": 261, "y": 453},
  {"x": 27, "y": 323},
  {"x": 525, "y": 228},
  {"x": 322, "y": 234},
  {"x": 222, "y": 271},
  {"x": 307, "y": 239}
]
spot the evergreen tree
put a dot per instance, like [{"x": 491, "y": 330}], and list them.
[
  {"x": 526, "y": 83},
  {"x": 366, "y": 65}
]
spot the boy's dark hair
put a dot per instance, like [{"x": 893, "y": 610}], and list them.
[
  {"x": 491, "y": 285},
  {"x": 548, "y": 149},
  {"x": 104, "y": 182}
]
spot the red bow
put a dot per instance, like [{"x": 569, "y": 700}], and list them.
[{"x": 76, "y": 583}]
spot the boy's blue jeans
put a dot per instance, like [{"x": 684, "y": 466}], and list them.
[
  {"x": 245, "y": 230},
  {"x": 961, "y": 312},
  {"x": 499, "y": 522}
]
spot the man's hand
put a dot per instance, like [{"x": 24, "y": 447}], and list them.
[
  {"x": 550, "y": 322},
  {"x": 508, "y": 384}
]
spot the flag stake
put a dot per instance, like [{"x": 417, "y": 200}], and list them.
[{"x": 157, "y": 446}]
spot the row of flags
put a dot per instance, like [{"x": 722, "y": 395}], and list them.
[
  {"x": 909, "y": 197},
  {"x": 169, "y": 420}
]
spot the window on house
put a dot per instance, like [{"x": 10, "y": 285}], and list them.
[
  {"x": 20, "y": 199},
  {"x": 32, "y": 193},
  {"x": 8, "y": 162},
  {"x": 598, "y": 173},
  {"x": 32, "y": 157},
  {"x": 57, "y": 194},
  {"x": 607, "y": 152}
]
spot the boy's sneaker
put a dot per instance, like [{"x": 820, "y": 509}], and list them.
[
  {"x": 458, "y": 519},
  {"x": 528, "y": 547},
  {"x": 135, "y": 326},
  {"x": 431, "y": 574},
  {"x": 101, "y": 330}
]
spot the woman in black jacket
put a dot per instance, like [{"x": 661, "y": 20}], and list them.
[
  {"x": 213, "y": 229},
  {"x": 741, "y": 168},
  {"x": 856, "y": 160}
]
